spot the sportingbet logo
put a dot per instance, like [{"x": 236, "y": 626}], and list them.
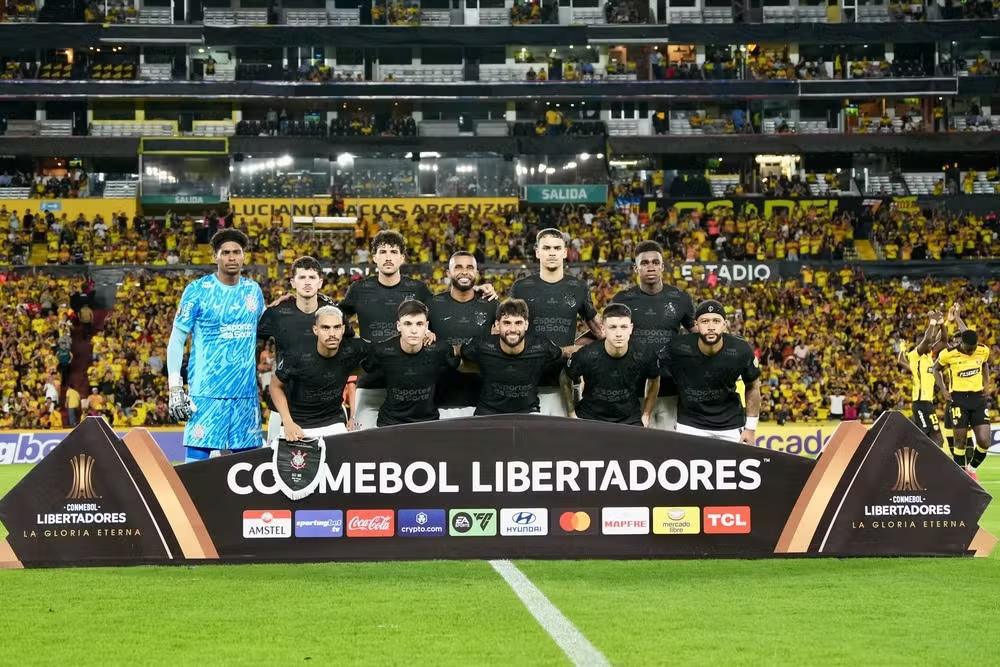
[
  {"x": 676, "y": 521},
  {"x": 267, "y": 524},
  {"x": 528, "y": 521},
  {"x": 26, "y": 448},
  {"x": 421, "y": 523},
  {"x": 369, "y": 523},
  {"x": 319, "y": 523},
  {"x": 727, "y": 520},
  {"x": 625, "y": 520},
  {"x": 472, "y": 522}
]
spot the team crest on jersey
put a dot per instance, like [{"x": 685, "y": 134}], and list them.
[
  {"x": 569, "y": 300},
  {"x": 251, "y": 303},
  {"x": 198, "y": 432},
  {"x": 670, "y": 308},
  {"x": 481, "y": 318}
]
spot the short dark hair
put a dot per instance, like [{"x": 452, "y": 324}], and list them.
[
  {"x": 512, "y": 307},
  {"x": 648, "y": 246},
  {"x": 970, "y": 338},
  {"x": 389, "y": 237},
  {"x": 227, "y": 235},
  {"x": 550, "y": 231},
  {"x": 307, "y": 263},
  {"x": 412, "y": 307},
  {"x": 616, "y": 310}
]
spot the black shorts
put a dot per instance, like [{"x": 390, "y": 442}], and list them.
[
  {"x": 925, "y": 417},
  {"x": 968, "y": 410}
]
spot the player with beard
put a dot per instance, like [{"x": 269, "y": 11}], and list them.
[
  {"x": 659, "y": 312},
  {"x": 611, "y": 372},
  {"x": 555, "y": 301},
  {"x": 290, "y": 323},
  {"x": 220, "y": 312},
  {"x": 706, "y": 366},
  {"x": 458, "y": 316},
  {"x": 511, "y": 363},
  {"x": 967, "y": 396},
  {"x": 308, "y": 389},
  {"x": 411, "y": 367}
]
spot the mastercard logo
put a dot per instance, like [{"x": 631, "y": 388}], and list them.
[{"x": 574, "y": 522}]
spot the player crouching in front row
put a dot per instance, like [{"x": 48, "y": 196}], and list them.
[
  {"x": 706, "y": 366},
  {"x": 612, "y": 371}
]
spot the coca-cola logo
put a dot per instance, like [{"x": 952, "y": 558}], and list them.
[
  {"x": 375, "y": 523},
  {"x": 370, "y": 523}
]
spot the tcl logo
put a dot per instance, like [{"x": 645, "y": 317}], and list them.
[
  {"x": 369, "y": 523},
  {"x": 726, "y": 520}
]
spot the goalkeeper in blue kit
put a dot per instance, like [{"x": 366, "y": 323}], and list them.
[{"x": 220, "y": 312}]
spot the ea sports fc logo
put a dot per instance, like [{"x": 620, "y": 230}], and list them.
[
  {"x": 82, "y": 487},
  {"x": 906, "y": 470}
]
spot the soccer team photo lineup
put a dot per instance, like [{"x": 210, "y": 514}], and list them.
[{"x": 525, "y": 332}]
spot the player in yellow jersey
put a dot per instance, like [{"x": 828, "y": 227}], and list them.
[
  {"x": 969, "y": 371},
  {"x": 919, "y": 361}
]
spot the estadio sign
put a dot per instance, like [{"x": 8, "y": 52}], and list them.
[{"x": 523, "y": 487}]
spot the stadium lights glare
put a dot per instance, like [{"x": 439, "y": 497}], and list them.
[
  {"x": 569, "y": 165},
  {"x": 550, "y": 170},
  {"x": 584, "y": 156},
  {"x": 541, "y": 167},
  {"x": 600, "y": 156}
]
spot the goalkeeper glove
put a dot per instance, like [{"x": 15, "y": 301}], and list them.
[{"x": 180, "y": 405}]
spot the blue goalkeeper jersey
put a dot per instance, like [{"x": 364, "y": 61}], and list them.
[{"x": 222, "y": 321}]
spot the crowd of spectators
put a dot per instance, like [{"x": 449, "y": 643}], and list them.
[
  {"x": 35, "y": 349},
  {"x": 914, "y": 234},
  {"x": 534, "y": 12},
  {"x": 359, "y": 124},
  {"x": 72, "y": 183},
  {"x": 18, "y": 11},
  {"x": 627, "y": 11},
  {"x": 396, "y": 12}
]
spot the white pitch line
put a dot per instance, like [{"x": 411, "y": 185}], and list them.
[{"x": 566, "y": 635}]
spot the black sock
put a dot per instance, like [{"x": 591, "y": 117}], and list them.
[
  {"x": 959, "y": 455},
  {"x": 978, "y": 457}
]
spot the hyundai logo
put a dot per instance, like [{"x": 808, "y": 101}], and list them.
[{"x": 524, "y": 518}]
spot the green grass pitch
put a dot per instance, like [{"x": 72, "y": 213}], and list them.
[{"x": 801, "y": 612}]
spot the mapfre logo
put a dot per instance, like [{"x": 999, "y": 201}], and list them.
[
  {"x": 370, "y": 523},
  {"x": 82, "y": 487},
  {"x": 625, "y": 520},
  {"x": 726, "y": 520},
  {"x": 906, "y": 470},
  {"x": 259, "y": 524}
]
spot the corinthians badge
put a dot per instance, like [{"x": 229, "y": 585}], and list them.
[{"x": 297, "y": 465}]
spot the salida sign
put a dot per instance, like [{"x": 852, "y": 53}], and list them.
[{"x": 520, "y": 486}]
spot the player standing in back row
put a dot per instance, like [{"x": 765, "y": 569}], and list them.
[
  {"x": 458, "y": 316},
  {"x": 555, "y": 300},
  {"x": 659, "y": 312},
  {"x": 290, "y": 323},
  {"x": 220, "y": 312}
]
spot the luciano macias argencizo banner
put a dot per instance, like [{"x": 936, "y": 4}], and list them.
[{"x": 495, "y": 487}]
